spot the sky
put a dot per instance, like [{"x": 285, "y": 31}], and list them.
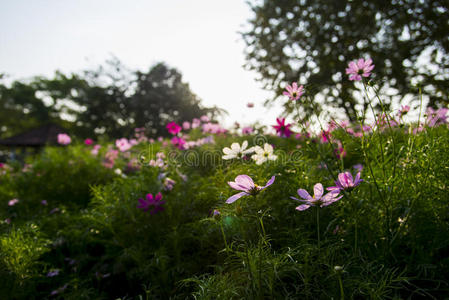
[{"x": 198, "y": 37}]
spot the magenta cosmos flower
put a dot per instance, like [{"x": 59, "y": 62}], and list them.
[
  {"x": 359, "y": 68},
  {"x": 318, "y": 199},
  {"x": 64, "y": 139},
  {"x": 88, "y": 142},
  {"x": 173, "y": 128},
  {"x": 154, "y": 203},
  {"x": 293, "y": 91},
  {"x": 346, "y": 182},
  {"x": 245, "y": 184},
  {"x": 282, "y": 129},
  {"x": 178, "y": 142}
]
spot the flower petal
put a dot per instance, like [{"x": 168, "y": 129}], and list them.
[
  {"x": 235, "y": 147},
  {"x": 304, "y": 194},
  {"x": 270, "y": 182},
  {"x": 158, "y": 197},
  {"x": 333, "y": 188},
  {"x": 302, "y": 207},
  {"x": 244, "y": 181},
  {"x": 235, "y": 197},
  {"x": 268, "y": 148},
  {"x": 249, "y": 150},
  {"x": 237, "y": 186},
  {"x": 227, "y": 150},
  {"x": 318, "y": 191}
]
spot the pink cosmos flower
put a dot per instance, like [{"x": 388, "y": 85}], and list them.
[
  {"x": 169, "y": 184},
  {"x": 358, "y": 167},
  {"x": 359, "y": 68},
  {"x": 186, "y": 125},
  {"x": 213, "y": 128},
  {"x": 173, "y": 128},
  {"x": 366, "y": 128},
  {"x": 418, "y": 129},
  {"x": 110, "y": 158},
  {"x": 340, "y": 151},
  {"x": 88, "y": 142},
  {"x": 64, "y": 139},
  {"x": 13, "y": 202},
  {"x": 123, "y": 144},
  {"x": 247, "y": 130},
  {"x": 318, "y": 199},
  {"x": 154, "y": 203},
  {"x": 95, "y": 150},
  {"x": 325, "y": 136},
  {"x": 59, "y": 290},
  {"x": 157, "y": 163},
  {"x": 54, "y": 210},
  {"x": 404, "y": 110},
  {"x": 196, "y": 123},
  {"x": 53, "y": 273},
  {"x": 2, "y": 165},
  {"x": 384, "y": 121},
  {"x": 436, "y": 117},
  {"x": 293, "y": 91},
  {"x": 282, "y": 129},
  {"x": 205, "y": 119},
  {"x": 245, "y": 184},
  {"x": 346, "y": 182}
]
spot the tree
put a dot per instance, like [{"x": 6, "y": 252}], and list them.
[
  {"x": 110, "y": 100},
  {"x": 313, "y": 41},
  {"x": 160, "y": 96}
]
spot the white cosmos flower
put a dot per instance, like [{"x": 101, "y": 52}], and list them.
[
  {"x": 236, "y": 151},
  {"x": 263, "y": 154}
]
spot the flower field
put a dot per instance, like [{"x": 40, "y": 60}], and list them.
[{"x": 347, "y": 211}]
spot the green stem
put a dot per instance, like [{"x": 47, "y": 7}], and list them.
[
  {"x": 224, "y": 237},
  {"x": 342, "y": 292}
]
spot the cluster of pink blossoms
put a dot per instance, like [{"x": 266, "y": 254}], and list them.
[{"x": 213, "y": 128}]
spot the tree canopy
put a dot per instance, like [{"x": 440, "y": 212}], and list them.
[
  {"x": 313, "y": 41},
  {"x": 111, "y": 100}
]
